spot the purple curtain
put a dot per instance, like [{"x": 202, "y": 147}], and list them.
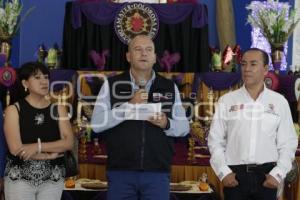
[{"x": 103, "y": 13}]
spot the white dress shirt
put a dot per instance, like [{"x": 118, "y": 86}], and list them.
[{"x": 247, "y": 131}]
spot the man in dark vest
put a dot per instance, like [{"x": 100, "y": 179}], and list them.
[{"x": 139, "y": 151}]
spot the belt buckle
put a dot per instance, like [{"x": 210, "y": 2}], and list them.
[{"x": 250, "y": 168}]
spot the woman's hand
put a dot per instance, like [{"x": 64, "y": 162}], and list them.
[
  {"x": 27, "y": 151},
  {"x": 52, "y": 156},
  {"x": 47, "y": 156}
]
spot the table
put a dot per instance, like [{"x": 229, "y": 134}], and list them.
[
  {"x": 178, "y": 173},
  {"x": 181, "y": 173},
  {"x": 79, "y": 193},
  {"x": 96, "y": 195}
]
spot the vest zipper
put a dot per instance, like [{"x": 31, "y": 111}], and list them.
[{"x": 143, "y": 146}]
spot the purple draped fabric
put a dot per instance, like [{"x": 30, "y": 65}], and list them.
[
  {"x": 220, "y": 80},
  {"x": 287, "y": 85},
  {"x": 2, "y": 59},
  {"x": 103, "y": 13},
  {"x": 61, "y": 75}
]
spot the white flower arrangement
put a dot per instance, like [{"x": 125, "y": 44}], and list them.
[
  {"x": 10, "y": 11},
  {"x": 274, "y": 20}
]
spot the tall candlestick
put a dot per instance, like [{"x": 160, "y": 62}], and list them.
[
  {"x": 79, "y": 107},
  {"x": 64, "y": 96},
  {"x": 210, "y": 97},
  {"x": 7, "y": 98}
]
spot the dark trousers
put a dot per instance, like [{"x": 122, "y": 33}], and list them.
[
  {"x": 251, "y": 178},
  {"x": 138, "y": 185}
]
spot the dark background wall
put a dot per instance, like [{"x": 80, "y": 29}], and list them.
[{"x": 45, "y": 26}]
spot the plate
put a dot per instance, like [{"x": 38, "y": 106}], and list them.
[
  {"x": 87, "y": 180},
  {"x": 189, "y": 183},
  {"x": 94, "y": 186},
  {"x": 180, "y": 187}
]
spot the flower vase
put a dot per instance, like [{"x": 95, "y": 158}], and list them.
[
  {"x": 7, "y": 73},
  {"x": 5, "y": 48},
  {"x": 276, "y": 55},
  {"x": 276, "y": 60}
]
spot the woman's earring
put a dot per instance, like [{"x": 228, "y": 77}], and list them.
[{"x": 25, "y": 88}]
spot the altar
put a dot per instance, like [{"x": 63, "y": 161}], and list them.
[
  {"x": 190, "y": 161},
  {"x": 181, "y": 173}
]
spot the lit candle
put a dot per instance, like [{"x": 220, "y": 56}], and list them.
[
  {"x": 7, "y": 98},
  {"x": 59, "y": 99},
  {"x": 79, "y": 106},
  {"x": 64, "y": 96},
  {"x": 210, "y": 97}
]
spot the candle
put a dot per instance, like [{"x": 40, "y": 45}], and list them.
[
  {"x": 7, "y": 98},
  {"x": 79, "y": 106},
  {"x": 64, "y": 96},
  {"x": 210, "y": 97}
]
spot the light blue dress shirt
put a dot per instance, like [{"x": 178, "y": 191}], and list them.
[{"x": 104, "y": 117}]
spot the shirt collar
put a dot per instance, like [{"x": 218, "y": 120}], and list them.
[
  {"x": 262, "y": 93},
  {"x": 149, "y": 82}
]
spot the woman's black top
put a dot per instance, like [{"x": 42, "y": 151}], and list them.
[{"x": 36, "y": 123}]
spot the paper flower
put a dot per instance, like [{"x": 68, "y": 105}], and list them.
[
  {"x": 227, "y": 55},
  {"x": 99, "y": 59},
  {"x": 168, "y": 60}
]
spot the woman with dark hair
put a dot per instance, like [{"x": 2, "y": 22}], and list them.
[{"x": 37, "y": 132}]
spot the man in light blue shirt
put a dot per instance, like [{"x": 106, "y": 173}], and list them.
[{"x": 139, "y": 151}]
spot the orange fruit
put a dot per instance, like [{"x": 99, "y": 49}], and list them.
[
  {"x": 70, "y": 183},
  {"x": 203, "y": 186}
]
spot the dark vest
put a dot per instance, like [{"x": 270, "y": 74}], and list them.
[{"x": 140, "y": 145}]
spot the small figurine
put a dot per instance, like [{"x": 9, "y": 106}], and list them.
[
  {"x": 42, "y": 53},
  {"x": 203, "y": 185},
  {"x": 96, "y": 147},
  {"x": 52, "y": 58},
  {"x": 216, "y": 62}
]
